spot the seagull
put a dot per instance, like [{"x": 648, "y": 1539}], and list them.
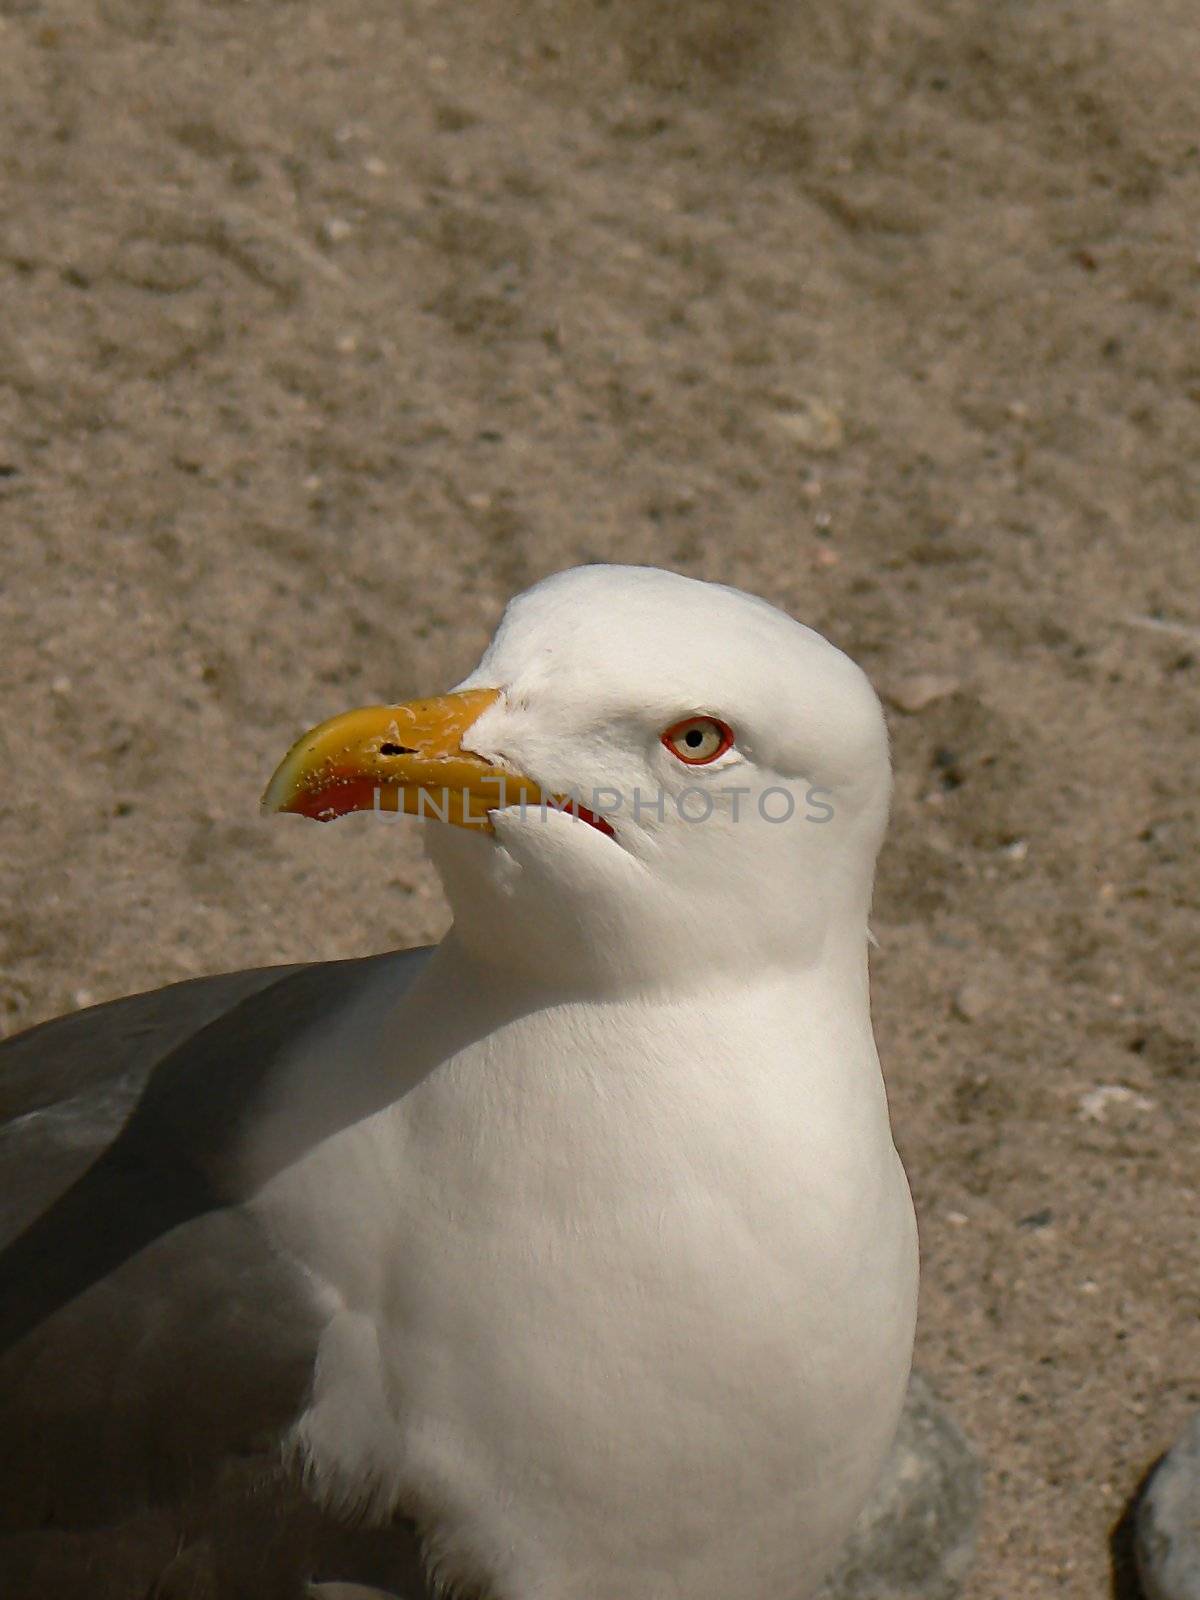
[{"x": 571, "y": 1259}]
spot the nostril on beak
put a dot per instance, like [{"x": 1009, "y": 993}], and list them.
[{"x": 395, "y": 750}]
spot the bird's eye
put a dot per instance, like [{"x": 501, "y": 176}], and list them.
[{"x": 698, "y": 740}]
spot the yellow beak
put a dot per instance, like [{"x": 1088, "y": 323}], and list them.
[{"x": 398, "y": 758}]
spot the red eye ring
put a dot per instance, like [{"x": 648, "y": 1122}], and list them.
[{"x": 698, "y": 740}]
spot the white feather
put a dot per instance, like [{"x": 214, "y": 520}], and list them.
[{"x": 625, "y": 1276}]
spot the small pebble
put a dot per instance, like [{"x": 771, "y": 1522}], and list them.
[
  {"x": 813, "y": 426},
  {"x": 972, "y": 1001},
  {"x": 912, "y": 695},
  {"x": 1037, "y": 1219},
  {"x": 1094, "y": 1105}
]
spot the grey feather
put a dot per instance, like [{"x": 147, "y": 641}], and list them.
[{"x": 156, "y": 1346}]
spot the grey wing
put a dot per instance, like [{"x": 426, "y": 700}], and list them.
[{"x": 156, "y": 1346}]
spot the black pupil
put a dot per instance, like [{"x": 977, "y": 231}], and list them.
[{"x": 693, "y": 737}]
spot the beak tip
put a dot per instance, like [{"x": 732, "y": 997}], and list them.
[
  {"x": 272, "y": 801},
  {"x": 282, "y": 795}
]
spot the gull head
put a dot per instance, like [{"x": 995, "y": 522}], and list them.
[{"x": 654, "y": 780}]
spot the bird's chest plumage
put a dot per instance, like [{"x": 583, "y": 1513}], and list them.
[{"x": 627, "y": 1296}]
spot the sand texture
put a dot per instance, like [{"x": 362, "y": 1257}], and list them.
[{"x": 326, "y": 326}]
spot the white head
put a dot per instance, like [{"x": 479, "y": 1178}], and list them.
[{"x": 758, "y": 855}]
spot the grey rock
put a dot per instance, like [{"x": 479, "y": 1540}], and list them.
[
  {"x": 1167, "y": 1540},
  {"x": 915, "y": 1539}
]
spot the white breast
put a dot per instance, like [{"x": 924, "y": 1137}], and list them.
[{"x": 623, "y": 1300}]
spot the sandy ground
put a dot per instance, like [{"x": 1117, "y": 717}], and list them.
[{"x": 326, "y": 326}]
